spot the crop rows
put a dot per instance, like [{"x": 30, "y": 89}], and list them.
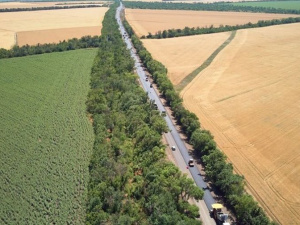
[
  {"x": 292, "y": 5},
  {"x": 45, "y": 138}
]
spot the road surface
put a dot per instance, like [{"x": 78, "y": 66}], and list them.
[{"x": 181, "y": 154}]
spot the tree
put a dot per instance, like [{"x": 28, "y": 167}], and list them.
[
  {"x": 164, "y": 34},
  {"x": 203, "y": 142},
  {"x": 248, "y": 212}
]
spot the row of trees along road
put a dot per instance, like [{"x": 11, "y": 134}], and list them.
[
  {"x": 217, "y": 6},
  {"x": 208, "y": 30},
  {"x": 130, "y": 180},
  {"x": 217, "y": 169},
  {"x": 71, "y": 44}
]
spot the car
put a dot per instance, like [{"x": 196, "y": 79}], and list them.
[
  {"x": 146, "y": 79},
  {"x": 173, "y": 148},
  {"x": 191, "y": 162},
  {"x": 151, "y": 85}
]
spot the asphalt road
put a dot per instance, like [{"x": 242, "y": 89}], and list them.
[{"x": 181, "y": 154}]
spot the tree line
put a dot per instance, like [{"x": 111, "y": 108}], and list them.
[
  {"x": 130, "y": 180},
  {"x": 71, "y": 44},
  {"x": 207, "y": 7},
  {"x": 218, "y": 170},
  {"x": 187, "y": 31},
  {"x": 50, "y": 8}
]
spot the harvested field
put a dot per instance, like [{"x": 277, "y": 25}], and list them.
[
  {"x": 7, "y": 38},
  {"x": 53, "y": 19},
  {"x": 12, "y": 5},
  {"x": 249, "y": 99},
  {"x": 54, "y": 35},
  {"x": 144, "y": 21},
  {"x": 188, "y": 1},
  {"x": 184, "y": 54}
]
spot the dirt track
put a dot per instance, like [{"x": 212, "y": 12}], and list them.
[
  {"x": 184, "y": 54},
  {"x": 249, "y": 99}
]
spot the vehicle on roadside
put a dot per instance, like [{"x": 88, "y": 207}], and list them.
[
  {"x": 151, "y": 85},
  {"x": 173, "y": 148}
]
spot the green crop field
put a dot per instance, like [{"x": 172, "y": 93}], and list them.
[
  {"x": 272, "y": 4},
  {"x": 46, "y": 138}
]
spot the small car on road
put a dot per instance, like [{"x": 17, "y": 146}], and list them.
[{"x": 191, "y": 163}]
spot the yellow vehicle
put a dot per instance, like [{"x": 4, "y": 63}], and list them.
[{"x": 218, "y": 215}]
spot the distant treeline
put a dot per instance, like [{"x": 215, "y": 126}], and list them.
[
  {"x": 72, "y": 44},
  {"x": 131, "y": 182},
  {"x": 206, "y": 7},
  {"x": 208, "y": 30},
  {"x": 217, "y": 169},
  {"x": 51, "y": 8}
]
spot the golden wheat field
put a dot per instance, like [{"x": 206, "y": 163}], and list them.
[
  {"x": 56, "y": 20},
  {"x": 144, "y": 21},
  {"x": 52, "y": 35},
  {"x": 182, "y": 55},
  {"x": 189, "y": 1},
  {"x": 11, "y": 5},
  {"x": 249, "y": 98}
]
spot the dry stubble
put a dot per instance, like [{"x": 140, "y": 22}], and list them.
[
  {"x": 249, "y": 99},
  {"x": 55, "y": 35},
  {"x": 147, "y": 20},
  {"x": 182, "y": 55},
  {"x": 50, "y": 20},
  {"x": 12, "y": 5},
  {"x": 7, "y": 38}
]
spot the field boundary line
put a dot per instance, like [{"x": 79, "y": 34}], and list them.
[
  {"x": 16, "y": 38},
  {"x": 185, "y": 81}
]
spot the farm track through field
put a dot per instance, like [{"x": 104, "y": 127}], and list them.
[
  {"x": 184, "y": 82},
  {"x": 261, "y": 142},
  {"x": 183, "y": 55}
]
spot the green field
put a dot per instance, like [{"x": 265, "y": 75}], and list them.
[
  {"x": 46, "y": 138},
  {"x": 272, "y": 4}
]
